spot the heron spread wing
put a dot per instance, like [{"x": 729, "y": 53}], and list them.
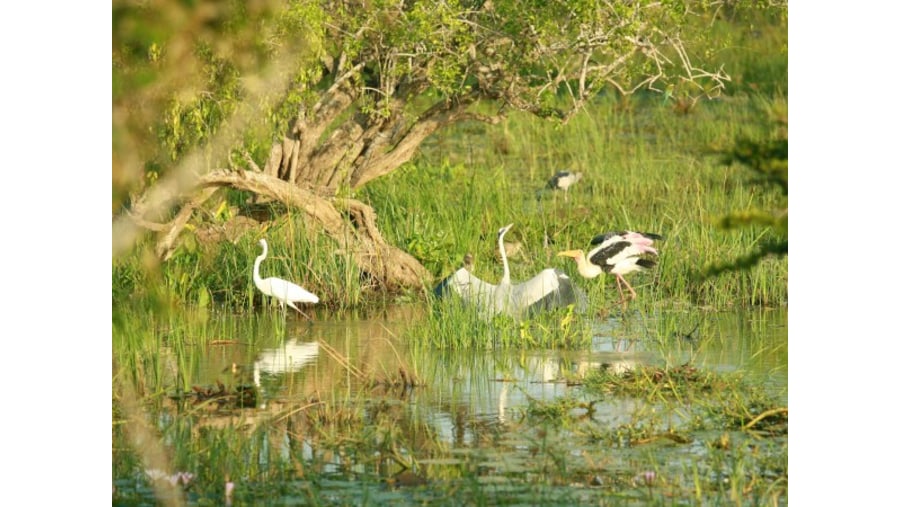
[
  {"x": 468, "y": 287},
  {"x": 530, "y": 291},
  {"x": 548, "y": 290}
]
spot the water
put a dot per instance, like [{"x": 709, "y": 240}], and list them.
[
  {"x": 463, "y": 401},
  {"x": 289, "y": 362}
]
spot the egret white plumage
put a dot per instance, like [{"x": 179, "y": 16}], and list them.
[
  {"x": 618, "y": 253},
  {"x": 287, "y": 293},
  {"x": 562, "y": 180},
  {"x": 549, "y": 289}
]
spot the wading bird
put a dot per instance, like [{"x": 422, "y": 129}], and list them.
[
  {"x": 547, "y": 290},
  {"x": 470, "y": 288},
  {"x": 562, "y": 180},
  {"x": 287, "y": 293},
  {"x": 618, "y": 253}
]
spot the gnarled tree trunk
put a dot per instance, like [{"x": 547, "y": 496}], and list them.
[{"x": 354, "y": 154}]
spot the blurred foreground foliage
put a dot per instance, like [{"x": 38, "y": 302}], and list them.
[{"x": 767, "y": 162}]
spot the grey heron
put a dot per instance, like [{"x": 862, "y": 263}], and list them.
[
  {"x": 549, "y": 289},
  {"x": 287, "y": 293},
  {"x": 618, "y": 253}
]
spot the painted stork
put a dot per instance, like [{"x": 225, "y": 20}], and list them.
[
  {"x": 562, "y": 180},
  {"x": 618, "y": 253},
  {"x": 287, "y": 293}
]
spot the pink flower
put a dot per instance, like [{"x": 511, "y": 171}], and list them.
[
  {"x": 645, "y": 478},
  {"x": 184, "y": 477}
]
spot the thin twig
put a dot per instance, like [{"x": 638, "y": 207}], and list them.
[{"x": 341, "y": 359}]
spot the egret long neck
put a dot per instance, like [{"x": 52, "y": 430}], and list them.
[
  {"x": 256, "y": 277},
  {"x": 506, "y": 277}
]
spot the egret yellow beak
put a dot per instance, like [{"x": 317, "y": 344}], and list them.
[{"x": 568, "y": 253}]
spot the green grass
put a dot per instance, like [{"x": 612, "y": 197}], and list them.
[
  {"x": 646, "y": 168},
  {"x": 453, "y": 324},
  {"x": 648, "y": 163}
]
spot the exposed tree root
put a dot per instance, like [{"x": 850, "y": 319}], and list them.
[{"x": 358, "y": 237}]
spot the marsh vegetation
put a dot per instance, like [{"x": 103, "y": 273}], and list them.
[
  {"x": 387, "y": 395},
  {"x": 360, "y": 410}
]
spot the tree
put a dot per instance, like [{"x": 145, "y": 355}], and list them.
[{"x": 352, "y": 88}]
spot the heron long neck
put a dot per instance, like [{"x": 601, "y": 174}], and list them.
[
  {"x": 506, "y": 278},
  {"x": 256, "y": 277}
]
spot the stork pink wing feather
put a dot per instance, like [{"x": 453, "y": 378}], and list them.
[{"x": 641, "y": 241}]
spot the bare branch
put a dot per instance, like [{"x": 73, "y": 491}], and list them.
[
  {"x": 146, "y": 224},
  {"x": 166, "y": 245},
  {"x": 438, "y": 116},
  {"x": 250, "y": 161}
]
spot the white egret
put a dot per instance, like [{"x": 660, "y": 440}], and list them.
[
  {"x": 287, "y": 293},
  {"x": 618, "y": 253},
  {"x": 547, "y": 290}
]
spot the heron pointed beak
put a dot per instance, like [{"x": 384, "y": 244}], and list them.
[{"x": 568, "y": 253}]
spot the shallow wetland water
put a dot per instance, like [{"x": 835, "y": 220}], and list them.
[{"x": 355, "y": 410}]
